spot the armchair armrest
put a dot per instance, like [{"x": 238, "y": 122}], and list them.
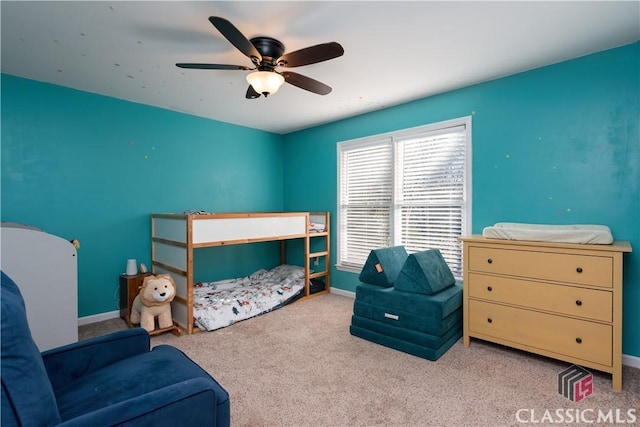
[
  {"x": 189, "y": 403},
  {"x": 66, "y": 363}
]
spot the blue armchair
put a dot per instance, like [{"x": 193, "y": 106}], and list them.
[{"x": 113, "y": 380}]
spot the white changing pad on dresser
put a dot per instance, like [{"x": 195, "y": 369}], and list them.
[{"x": 592, "y": 234}]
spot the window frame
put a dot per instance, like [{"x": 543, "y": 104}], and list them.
[{"x": 393, "y": 137}]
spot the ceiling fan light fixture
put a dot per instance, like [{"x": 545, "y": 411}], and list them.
[
  {"x": 266, "y": 55},
  {"x": 265, "y": 82}
]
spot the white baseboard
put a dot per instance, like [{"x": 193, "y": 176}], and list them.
[
  {"x": 632, "y": 361},
  {"x": 343, "y": 293},
  {"x": 98, "y": 317}
]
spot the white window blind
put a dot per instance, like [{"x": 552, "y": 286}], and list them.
[
  {"x": 409, "y": 188},
  {"x": 366, "y": 193}
]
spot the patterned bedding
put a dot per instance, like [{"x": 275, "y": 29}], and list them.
[{"x": 222, "y": 303}]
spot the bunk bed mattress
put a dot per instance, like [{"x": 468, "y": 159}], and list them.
[{"x": 222, "y": 303}]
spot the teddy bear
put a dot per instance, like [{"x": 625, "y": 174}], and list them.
[{"x": 154, "y": 300}]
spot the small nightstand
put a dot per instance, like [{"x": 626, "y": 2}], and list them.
[{"x": 129, "y": 289}]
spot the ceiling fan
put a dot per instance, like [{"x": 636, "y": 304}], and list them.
[{"x": 267, "y": 54}]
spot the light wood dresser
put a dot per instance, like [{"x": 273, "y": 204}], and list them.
[{"x": 559, "y": 300}]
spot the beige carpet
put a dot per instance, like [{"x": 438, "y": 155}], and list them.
[{"x": 299, "y": 366}]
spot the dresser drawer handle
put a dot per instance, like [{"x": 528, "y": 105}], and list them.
[
  {"x": 579, "y": 269},
  {"x": 489, "y": 320},
  {"x": 490, "y": 261},
  {"x": 579, "y": 340},
  {"x": 578, "y": 302},
  {"x": 489, "y": 288}
]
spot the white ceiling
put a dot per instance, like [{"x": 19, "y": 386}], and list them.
[{"x": 394, "y": 51}]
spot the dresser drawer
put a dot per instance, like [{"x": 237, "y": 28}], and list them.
[
  {"x": 570, "y": 337},
  {"x": 571, "y": 268},
  {"x": 569, "y": 300}
]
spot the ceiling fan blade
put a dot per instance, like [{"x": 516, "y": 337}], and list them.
[
  {"x": 306, "y": 83},
  {"x": 236, "y": 38},
  {"x": 311, "y": 55},
  {"x": 251, "y": 93},
  {"x": 213, "y": 66}
]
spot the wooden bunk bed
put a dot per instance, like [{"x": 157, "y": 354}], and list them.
[{"x": 175, "y": 237}]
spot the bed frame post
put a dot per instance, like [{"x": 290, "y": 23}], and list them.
[
  {"x": 190, "y": 274},
  {"x": 324, "y": 251},
  {"x": 307, "y": 260}
]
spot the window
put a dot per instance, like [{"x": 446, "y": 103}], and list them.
[{"x": 409, "y": 188}]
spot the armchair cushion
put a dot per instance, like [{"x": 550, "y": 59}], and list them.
[
  {"x": 146, "y": 374},
  {"x": 70, "y": 362},
  {"x": 185, "y": 404}
]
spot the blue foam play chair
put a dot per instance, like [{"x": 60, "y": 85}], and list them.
[
  {"x": 112, "y": 380},
  {"x": 411, "y": 303}
]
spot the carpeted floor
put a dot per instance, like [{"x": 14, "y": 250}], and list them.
[{"x": 299, "y": 366}]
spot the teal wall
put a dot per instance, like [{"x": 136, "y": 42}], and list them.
[
  {"x": 93, "y": 168},
  {"x": 555, "y": 145}
]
